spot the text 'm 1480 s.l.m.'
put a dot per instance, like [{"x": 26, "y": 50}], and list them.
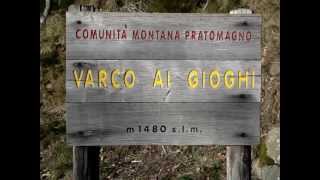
[{"x": 158, "y": 78}]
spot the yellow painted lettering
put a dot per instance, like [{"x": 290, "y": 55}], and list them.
[
  {"x": 214, "y": 79},
  {"x": 89, "y": 79},
  {"x": 203, "y": 79},
  {"x": 102, "y": 78},
  {"x": 76, "y": 78},
  {"x": 193, "y": 79},
  {"x": 169, "y": 82},
  {"x": 252, "y": 80},
  {"x": 229, "y": 79},
  {"x": 114, "y": 82},
  {"x": 129, "y": 74},
  {"x": 243, "y": 78},
  {"x": 157, "y": 79}
]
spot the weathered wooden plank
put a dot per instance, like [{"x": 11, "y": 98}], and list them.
[
  {"x": 149, "y": 66},
  {"x": 179, "y": 90},
  {"x": 238, "y": 162},
  {"x": 86, "y": 163},
  {"x": 79, "y": 26},
  {"x": 178, "y": 93},
  {"x": 203, "y": 123}
]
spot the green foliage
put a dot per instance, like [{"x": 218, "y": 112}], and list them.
[
  {"x": 271, "y": 20},
  {"x": 52, "y": 127},
  {"x": 56, "y": 155},
  {"x": 52, "y": 35},
  {"x": 185, "y": 178},
  {"x": 264, "y": 159},
  {"x": 189, "y": 6},
  {"x": 63, "y": 155},
  {"x": 223, "y": 6},
  {"x": 216, "y": 170},
  {"x": 106, "y": 168},
  {"x": 42, "y": 5},
  {"x": 61, "y": 4},
  {"x": 120, "y": 3},
  {"x": 56, "y": 5},
  {"x": 220, "y": 148},
  {"x": 90, "y": 2},
  {"x": 57, "y": 160},
  {"x": 87, "y": 2},
  {"x": 165, "y": 178},
  {"x": 173, "y": 6}
]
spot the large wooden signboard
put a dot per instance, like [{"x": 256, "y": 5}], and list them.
[{"x": 142, "y": 78}]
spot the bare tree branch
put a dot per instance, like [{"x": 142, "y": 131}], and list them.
[
  {"x": 45, "y": 12},
  {"x": 205, "y": 5}
]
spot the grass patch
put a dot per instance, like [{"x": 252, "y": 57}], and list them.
[
  {"x": 173, "y": 6},
  {"x": 185, "y": 178},
  {"x": 52, "y": 35},
  {"x": 56, "y": 160},
  {"x": 223, "y": 6},
  {"x": 264, "y": 159}
]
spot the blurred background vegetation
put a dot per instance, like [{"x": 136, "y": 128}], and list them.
[{"x": 144, "y": 162}]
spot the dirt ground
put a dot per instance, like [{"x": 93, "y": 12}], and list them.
[{"x": 148, "y": 162}]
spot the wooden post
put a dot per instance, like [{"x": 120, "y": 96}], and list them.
[
  {"x": 239, "y": 157},
  {"x": 238, "y": 162},
  {"x": 86, "y": 162}
]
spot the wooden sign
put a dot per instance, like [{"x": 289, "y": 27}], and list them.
[{"x": 153, "y": 78}]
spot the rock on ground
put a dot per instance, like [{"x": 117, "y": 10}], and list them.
[
  {"x": 270, "y": 173},
  {"x": 266, "y": 172},
  {"x": 273, "y": 144}
]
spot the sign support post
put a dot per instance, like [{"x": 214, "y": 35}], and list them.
[
  {"x": 86, "y": 162},
  {"x": 238, "y": 162}
]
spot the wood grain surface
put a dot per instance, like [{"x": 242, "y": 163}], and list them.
[
  {"x": 107, "y": 123},
  {"x": 176, "y": 115},
  {"x": 179, "y": 91},
  {"x": 162, "y": 49}
]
